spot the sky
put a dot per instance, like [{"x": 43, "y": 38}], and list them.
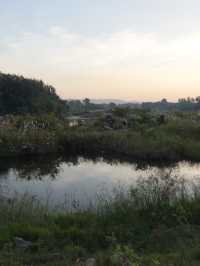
[{"x": 136, "y": 50}]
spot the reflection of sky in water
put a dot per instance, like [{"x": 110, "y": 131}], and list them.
[{"x": 84, "y": 180}]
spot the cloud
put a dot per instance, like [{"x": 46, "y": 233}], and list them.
[
  {"x": 128, "y": 48},
  {"x": 59, "y": 56}
]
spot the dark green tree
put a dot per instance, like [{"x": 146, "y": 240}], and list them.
[{"x": 19, "y": 95}]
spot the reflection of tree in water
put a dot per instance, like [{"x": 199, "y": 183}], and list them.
[
  {"x": 4, "y": 169},
  {"x": 138, "y": 164},
  {"x": 42, "y": 166},
  {"x": 33, "y": 167},
  {"x": 37, "y": 169}
]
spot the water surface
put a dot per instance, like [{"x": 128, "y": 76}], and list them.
[{"x": 60, "y": 180}]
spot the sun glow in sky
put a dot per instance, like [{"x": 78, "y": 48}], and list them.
[{"x": 131, "y": 49}]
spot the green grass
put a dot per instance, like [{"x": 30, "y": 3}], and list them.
[{"x": 155, "y": 223}]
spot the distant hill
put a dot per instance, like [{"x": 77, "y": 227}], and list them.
[
  {"x": 19, "y": 95},
  {"x": 107, "y": 101}
]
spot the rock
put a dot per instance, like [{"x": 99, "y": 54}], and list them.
[
  {"x": 21, "y": 243},
  {"x": 125, "y": 262},
  {"x": 90, "y": 262},
  {"x": 79, "y": 262},
  {"x": 121, "y": 260}
]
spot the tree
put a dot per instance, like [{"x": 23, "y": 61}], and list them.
[
  {"x": 86, "y": 102},
  {"x": 164, "y": 101},
  {"x": 121, "y": 112},
  {"x": 19, "y": 95},
  {"x": 198, "y": 99}
]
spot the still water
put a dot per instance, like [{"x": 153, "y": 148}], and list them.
[{"x": 59, "y": 180}]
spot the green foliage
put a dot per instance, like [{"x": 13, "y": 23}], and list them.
[
  {"x": 75, "y": 251},
  {"x": 145, "y": 138},
  {"x": 120, "y": 112},
  {"x": 156, "y": 223},
  {"x": 28, "y": 231},
  {"x": 124, "y": 254},
  {"x": 27, "y": 96},
  {"x": 47, "y": 134}
]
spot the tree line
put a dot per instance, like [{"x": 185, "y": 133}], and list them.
[{"x": 19, "y": 95}]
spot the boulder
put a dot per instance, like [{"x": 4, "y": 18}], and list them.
[
  {"x": 21, "y": 243},
  {"x": 79, "y": 262},
  {"x": 90, "y": 262}
]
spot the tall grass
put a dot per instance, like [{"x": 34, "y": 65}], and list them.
[{"x": 156, "y": 221}]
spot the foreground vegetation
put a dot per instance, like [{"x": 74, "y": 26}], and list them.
[{"x": 155, "y": 223}]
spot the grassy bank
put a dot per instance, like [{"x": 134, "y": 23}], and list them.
[
  {"x": 28, "y": 135},
  {"x": 155, "y": 223}
]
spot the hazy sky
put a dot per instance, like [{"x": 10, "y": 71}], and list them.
[{"x": 128, "y": 49}]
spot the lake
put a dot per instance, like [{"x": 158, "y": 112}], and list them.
[{"x": 79, "y": 180}]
